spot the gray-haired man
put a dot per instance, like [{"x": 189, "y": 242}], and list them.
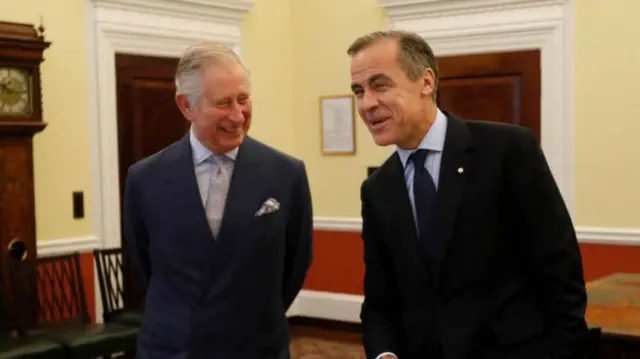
[{"x": 219, "y": 224}]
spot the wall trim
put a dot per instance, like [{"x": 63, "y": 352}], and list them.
[
  {"x": 49, "y": 247},
  {"x": 480, "y": 26},
  {"x": 609, "y": 236},
  {"x": 337, "y": 224},
  {"x": 325, "y": 305},
  {"x": 593, "y": 235},
  {"x": 196, "y": 9}
]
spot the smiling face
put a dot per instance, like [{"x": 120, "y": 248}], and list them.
[
  {"x": 221, "y": 116},
  {"x": 395, "y": 109}
]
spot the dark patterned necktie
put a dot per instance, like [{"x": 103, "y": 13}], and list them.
[{"x": 424, "y": 193}]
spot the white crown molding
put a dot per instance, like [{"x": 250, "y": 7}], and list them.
[
  {"x": 221, "y": 10},
  {"x": 479, "y": 26},
  {"x": 593, "y": 235},
  {"x": 49, "y": 247},
  {"x": 416, "y": 9}
]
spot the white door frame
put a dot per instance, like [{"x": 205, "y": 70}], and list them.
[
  {"x": 139, "y": 27},
  {"x": 476, "y": 26}
]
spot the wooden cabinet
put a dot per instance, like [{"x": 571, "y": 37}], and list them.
[{"x": 21, "y": 53}]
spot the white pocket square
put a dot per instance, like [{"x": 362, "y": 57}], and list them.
[{"x": 269, "y": 206}]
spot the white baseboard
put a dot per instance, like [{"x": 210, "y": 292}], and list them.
[
  {"x": 48, "y": 247},
  {"x": 594, "y": 235},
  {"x": 325, "y": 305}
]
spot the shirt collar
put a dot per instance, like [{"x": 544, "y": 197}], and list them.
[
  {"x": 432, "y": 141},
  {"x": 201, "y": 152}
]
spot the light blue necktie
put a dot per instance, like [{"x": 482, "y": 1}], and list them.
[{"x": 217, "y": 192}]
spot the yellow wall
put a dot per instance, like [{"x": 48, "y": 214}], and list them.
[
  {"x": 607, "y": 114},
  {"x": 324, "y": 30},
  {"x": 296, "y": 51},
  {"x": 268, "y": 51},
  {"x": 61, "y": 151},
  {"x": 607, "y": 170}
]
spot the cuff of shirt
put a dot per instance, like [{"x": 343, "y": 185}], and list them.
[{"x": 386, "y": 353}]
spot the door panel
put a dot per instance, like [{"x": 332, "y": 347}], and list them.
[
  {"x": 498, "y": 87},
  {"x": 148, "y": 117},
  {"x": 148, "y": 121}
]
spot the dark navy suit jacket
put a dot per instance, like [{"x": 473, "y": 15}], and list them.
[{"x": 224, "y": 298}]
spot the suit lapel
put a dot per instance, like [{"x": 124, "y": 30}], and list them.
[
  {"x": 397, "y": 203},
  {"x": 454, "y": 171}
]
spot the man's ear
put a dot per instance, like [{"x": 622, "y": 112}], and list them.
[
  {"x": 428, "y": 82},
  {"x": 185, "y": 106}
]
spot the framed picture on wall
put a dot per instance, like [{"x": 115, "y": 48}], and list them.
[{"x": 337, "y": 115}]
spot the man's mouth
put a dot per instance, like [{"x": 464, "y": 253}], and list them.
[
  {"x": 378, "y": 122},
  {"x": 232, "y": 130}
]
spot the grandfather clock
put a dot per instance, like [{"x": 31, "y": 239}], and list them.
[{"x": 21, "y": 53}]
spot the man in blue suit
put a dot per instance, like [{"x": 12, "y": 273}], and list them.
[{"x": 219, "y": 223}]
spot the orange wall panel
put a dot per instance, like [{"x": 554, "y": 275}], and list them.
[
  {"x": 338, "y": 262},
  {"x": 600, "y": 260},
  {"x": 86, "y": 269},
  {"x": 338, "y": 265}
]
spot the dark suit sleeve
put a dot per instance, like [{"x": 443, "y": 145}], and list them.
[
  {"x": 299, "y": 239},
  {"x": 380, "y": 310},
  {"x": 551, "y": 246},
  {"x": 135, "y": 234}
]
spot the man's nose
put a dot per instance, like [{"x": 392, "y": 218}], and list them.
[
  {"x": 236, "y": 114},
  {"x": 368, "y": 101}
]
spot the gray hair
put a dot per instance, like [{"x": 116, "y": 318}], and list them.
[
  {"x": 188, "y": 78},
  {"x": 414, "y": 53}
]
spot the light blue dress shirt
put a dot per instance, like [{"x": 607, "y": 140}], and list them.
[
  {"x": 434, "y": 142},
  {"x": 205, "y": 169}
]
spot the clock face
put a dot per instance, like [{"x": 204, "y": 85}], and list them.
[{"x": 15, "y": 90}]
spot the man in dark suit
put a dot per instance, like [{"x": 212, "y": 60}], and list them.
[
  {"x": 219, "y": 223},
  {"x": 470, "y": 251}
]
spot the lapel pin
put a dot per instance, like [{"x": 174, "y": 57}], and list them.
[{"x": 460, "y": 170}]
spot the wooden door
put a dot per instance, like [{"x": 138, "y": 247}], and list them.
[
  {"x": 498, "y": 87},
  {"x": 148, "y": 119}
]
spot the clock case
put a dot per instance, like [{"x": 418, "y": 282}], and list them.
[{"x": 21, "y": 46}]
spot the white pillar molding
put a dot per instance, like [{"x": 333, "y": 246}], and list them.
[
  {"x": 457, "y": 27},
  {"x": 140, "y": 27}
]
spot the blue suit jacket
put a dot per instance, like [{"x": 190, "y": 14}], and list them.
[{"x": 222, "y": 298}]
